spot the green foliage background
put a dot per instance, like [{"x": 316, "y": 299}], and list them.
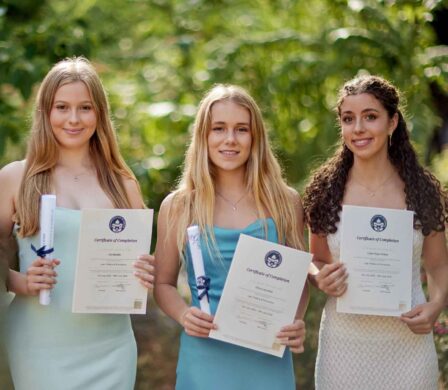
[{"x": 158, "y": 57}]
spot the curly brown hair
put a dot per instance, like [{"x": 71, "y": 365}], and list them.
[{"x": 424, "y": 193}]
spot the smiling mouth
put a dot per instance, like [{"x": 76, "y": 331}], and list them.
[
  {"x": 362, "y": 142},
  {"x": 229, "y": 152},
  {"x": 73, "y": 131}
]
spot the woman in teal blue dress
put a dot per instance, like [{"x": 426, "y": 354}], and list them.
[
  {"x": 231, "y": 184},
  {"x": 73, "y": 153}
]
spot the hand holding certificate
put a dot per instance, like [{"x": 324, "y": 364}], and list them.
[
  {"x": 376, "y": 247},
  {"x": 110, "y": 241},
  {"x": 261, "y": 294}
]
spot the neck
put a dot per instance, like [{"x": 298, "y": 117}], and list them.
[
  {"x": 373, "y": 171},
  {"x": 75, "y": 160},
  {"x": 230, "y": 183}
]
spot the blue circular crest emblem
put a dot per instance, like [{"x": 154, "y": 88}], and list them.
[
  {"x": 273, "y": 259},
  {"x": 117, "y": 224},
  {"x": 378, "y": 223}
]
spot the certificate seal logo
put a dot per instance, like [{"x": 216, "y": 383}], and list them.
[
  {"x": 273, "y": 259},
  {"x": 117, "y": 224},
  {"x": 378, "y": 223}
]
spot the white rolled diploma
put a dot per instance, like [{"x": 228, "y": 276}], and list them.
[
  {"x": 47, "y": 211},
  {"x": 198, "y": 263}
]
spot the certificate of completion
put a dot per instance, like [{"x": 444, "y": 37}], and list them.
[
  {"x": 110, "y": 241},
  {"x": 376, "y": 247},
  {"x": 261, "y": 294}
]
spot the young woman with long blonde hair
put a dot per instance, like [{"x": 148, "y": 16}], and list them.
[
  {"x": 231, "y": 184},
  {"x": 73, "y": 153}
]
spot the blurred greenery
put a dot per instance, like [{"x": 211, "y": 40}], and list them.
[{"x": 158, "y": 57}]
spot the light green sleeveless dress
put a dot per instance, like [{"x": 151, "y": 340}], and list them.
[{"x": 49, "y": 347}]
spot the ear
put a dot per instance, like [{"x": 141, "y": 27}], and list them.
[{"x": 393, "y": 123}]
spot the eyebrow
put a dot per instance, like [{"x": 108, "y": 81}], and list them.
[
  {"x": 64, "y": 101},
  {"x": 363, "y": 111},
  {"x": 223, "y": 123}
]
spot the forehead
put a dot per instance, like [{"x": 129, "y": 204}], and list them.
[
  {"x": 227, "y": 110},
  {"x": 360, "y": 102},
  {"x": 76, "y": 91}
]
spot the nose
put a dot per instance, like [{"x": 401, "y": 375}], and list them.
[
  {"x": 231, "y": 136},
  {"x": 358, "y": 126},
  {"x": 74, "y": 116}
]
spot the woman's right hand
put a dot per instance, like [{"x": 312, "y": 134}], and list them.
[
  {"x": 332, "y": 279},
  {"x": 41, "y": 275},
  {"x": 196, "y": 322}
]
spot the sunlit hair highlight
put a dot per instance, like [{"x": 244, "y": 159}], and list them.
[
  {"x": 423, "y": 192},
  {"x": 43, "y": 151},
  {"x": 193, "y": 201}
]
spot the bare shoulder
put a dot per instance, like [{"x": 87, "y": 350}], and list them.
[
  {"x": 13, "y": 170},
  {"x": 11, "y": 176},
  {"x": 295, "y": 198},
  {"x": 133, "y": 192},
  {"x": 167, "y": 203}
]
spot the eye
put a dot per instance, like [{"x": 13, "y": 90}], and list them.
[
  {"x": 218, "y": 128},
  {"x": 243, "y": 129},
  {"x": 347, "y": 119},
  {"x": 86, "y": 108},
  {"x": 371, "y": 117},
  {"x": 61, "y": 107}
]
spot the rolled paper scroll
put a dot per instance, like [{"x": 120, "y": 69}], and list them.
[
  {"x": 202, "y": 281},
  {"x": 46, "y": 218}
]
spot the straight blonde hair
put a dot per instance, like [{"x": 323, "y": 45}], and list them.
[
  {"x": 43, "y": 151},
  {"x": 193, "y": 200}
]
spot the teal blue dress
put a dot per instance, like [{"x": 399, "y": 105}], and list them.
[
  {"x": 51, "y": 348},
  {"x": 211, "y": 364}
]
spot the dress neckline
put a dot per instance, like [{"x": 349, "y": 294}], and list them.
[
  {"x": 257, "y": 221},
  {"x": 68, "y": 209}
]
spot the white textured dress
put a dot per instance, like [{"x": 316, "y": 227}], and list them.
[{"x": 363, "y": 352}]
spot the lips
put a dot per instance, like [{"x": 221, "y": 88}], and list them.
[
  {"x": 73, "y": 131},
  {"x": 362, "y": 142},
  {"x": 229, "y": 153}
]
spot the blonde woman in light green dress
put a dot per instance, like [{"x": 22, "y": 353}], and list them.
[{"x": 73, "y": 153}]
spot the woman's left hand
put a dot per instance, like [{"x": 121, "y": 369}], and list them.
[
  {"x": 421, "y": 318},
  {"x": 145, "y": 270},
  {"x": 293, "y": 336}
]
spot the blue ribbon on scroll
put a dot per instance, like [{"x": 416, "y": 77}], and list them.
[
  {"x": 42, "y": 252},
  {"x": 203, "y": 283}
]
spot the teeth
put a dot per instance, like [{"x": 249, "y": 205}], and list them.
[{"x": 229, "y": 152}]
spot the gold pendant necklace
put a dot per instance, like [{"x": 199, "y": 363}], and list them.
[{"x": 370, "y": 192}]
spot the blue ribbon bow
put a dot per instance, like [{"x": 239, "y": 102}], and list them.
[
  {"x": 203, "y": 283},
  {"x": 42, "y": 252}
]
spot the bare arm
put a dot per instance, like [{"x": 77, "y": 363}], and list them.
[
  {"x": 422, "y": 317},
  {"x": 328, "y": 276},
  {"x": 10, "y": 177},
  {"x": 195, "y": 322},
  {"x": 293, "y": 335},
  {"x": 134, "y": 194},
  {"x": 145, "y": 264},
  {"x": 41, "y": 274},
  {"x": 435, "y": 261}
]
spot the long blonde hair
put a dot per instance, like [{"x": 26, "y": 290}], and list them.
[
  {"x": 194, "y": 199},
  {"x": 43, "y": 151}
]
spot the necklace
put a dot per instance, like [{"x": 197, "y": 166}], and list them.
[
  {"x": 373, "y": 193},
  {"x": 233, "y": 204},
  {"x": 76, "y": 177}
]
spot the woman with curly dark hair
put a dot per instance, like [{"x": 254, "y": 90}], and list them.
[{"x": 376, "y": 166}]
